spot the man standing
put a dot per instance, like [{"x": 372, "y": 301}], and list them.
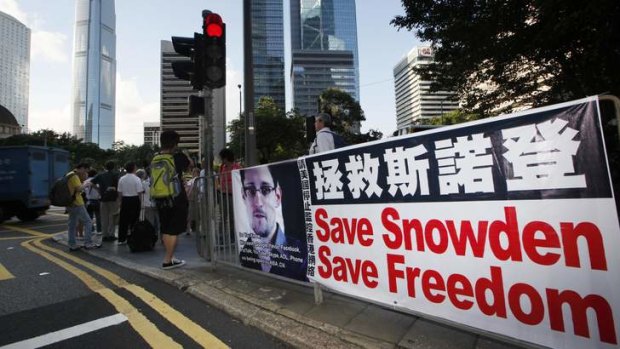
[
  {"x": 77, "y": 211},
  {"x": 324, "y": 139},
  {"x": 268, "y": 248},
  {"x": 129, "y": 189},
  {"x": 173, "y": 214},
  {"x": 108, "y": 182}
]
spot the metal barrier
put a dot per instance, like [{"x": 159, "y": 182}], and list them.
[{"x": 212, "y": 211}]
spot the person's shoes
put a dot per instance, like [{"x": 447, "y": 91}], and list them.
[
  {"x": 174, "y": 263},
  {"x": 98, "y": 233},
  {"x": 119, "y": 243},
  {"x": 108, "y": 238},
  {"x": 74, "y": 248},
  {"x": 92, "y": 246}
]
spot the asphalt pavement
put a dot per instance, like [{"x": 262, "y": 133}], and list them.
[{"x": 288, "y": 310}]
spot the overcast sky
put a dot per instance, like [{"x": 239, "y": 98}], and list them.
[{"x": 142, "y": 24}]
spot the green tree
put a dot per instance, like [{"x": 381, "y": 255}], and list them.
[
  {"x": 347, "y": 116},
  {"x": 513, "y": 53},
  {"x": 279, "y": 136},
  {"x": 454, "y": 117}
]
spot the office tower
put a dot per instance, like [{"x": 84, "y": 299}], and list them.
[
  {"x": 14, "y": 67},
  {"x": 152, "y": 130},
  {"x": 175, "y": 110},
  {"x": 414, "y": 101},
  {"x": 324, "y": 50},
  {"x": 94, "y": 72},
  {"x": 268, "y": 50}
]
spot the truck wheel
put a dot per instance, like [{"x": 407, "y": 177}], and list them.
[{"x": 27, "y": 215}]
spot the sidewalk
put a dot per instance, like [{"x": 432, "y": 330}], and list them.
[{"x": 288, "y": 312}]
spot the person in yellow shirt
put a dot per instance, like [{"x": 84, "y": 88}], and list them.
[{"x": 77, "y": 210}]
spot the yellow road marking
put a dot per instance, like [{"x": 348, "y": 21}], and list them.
[
  {"x": 16, "y": 238},
  {"x": 5, "y": 274},
  {"x": 60, "y": 223},
  {"x": 27, "y": 231},
  {"x": 151, "y": 334},
  {"x": 189, "y": 327}
]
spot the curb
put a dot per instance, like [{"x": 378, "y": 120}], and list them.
[{"x": 288, "y": 326}]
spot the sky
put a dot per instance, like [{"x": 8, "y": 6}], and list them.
[{"x": 142, "y": 24}]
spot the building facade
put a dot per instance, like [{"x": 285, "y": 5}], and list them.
[
  {"x": 14, "y": 67},
  {"x": 8, "y": 124},
  {"x": 268, "y": 50},
  {"x": 94, "y": 72},
  {"x": 324, "y": 50},
  {"x": 415, "y": 103},
  {"x": 174, "y": 108},
  {"x": 152, "y": 130}
]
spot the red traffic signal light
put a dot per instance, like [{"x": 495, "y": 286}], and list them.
[{"x": 213, "y": 26}]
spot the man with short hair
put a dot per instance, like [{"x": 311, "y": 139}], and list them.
[
  {"x": 77, "y": 211},
  {"x": 108, "y": 183},
  {"x": 324, "y": 139},
  {"x": 130, "y": 189},
  {"x": 173, "y": 218},
  {"x": 263, "y": 196}
]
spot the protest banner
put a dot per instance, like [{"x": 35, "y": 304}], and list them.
[{"x": 506, "y": 224}]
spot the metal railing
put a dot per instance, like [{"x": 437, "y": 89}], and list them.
[{"x": 214, "y": 221}]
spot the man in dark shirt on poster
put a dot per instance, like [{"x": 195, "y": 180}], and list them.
[{"x": 267, "y": 247}]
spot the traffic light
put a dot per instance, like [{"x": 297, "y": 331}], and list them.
[
  {"x": 196, "y": 105},
  {"x": 214, "y": 30},
  {"x": 193, "y": 70}
]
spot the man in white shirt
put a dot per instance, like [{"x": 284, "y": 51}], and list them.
[
  {"x": 129, "y": 188},
  {"x": 324, "y": 140}
]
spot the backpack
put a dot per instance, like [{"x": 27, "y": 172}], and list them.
[
  {"x": 60, "y": 194},
  {"x": 108, "y": 182},
  {"x": 143, "y": 237},
  {"x": 339, "y": 142},
  {"x": 165, "y": 182}
]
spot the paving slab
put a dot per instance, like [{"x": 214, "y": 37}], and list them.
[
  {"x": 425, "y": 334},
  {"x": 336, "y": 310},
  {"x": 377, "y": 322}
]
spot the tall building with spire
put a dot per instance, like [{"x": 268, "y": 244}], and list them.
[
  {"x": 324, "y": 50},
  {"x": 94, "y": 72},
  {"x": 14, "y": 68}
]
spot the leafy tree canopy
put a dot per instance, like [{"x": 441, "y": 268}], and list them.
[
  {"x": 347, "y": 116},
  {"x": 503, "y": 55},
  {"x": 279, "y": 136}
]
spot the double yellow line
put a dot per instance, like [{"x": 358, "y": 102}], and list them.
[{"x": 151, "y": 334}]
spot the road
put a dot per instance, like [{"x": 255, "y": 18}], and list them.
[{"x": 52, "y": 297}]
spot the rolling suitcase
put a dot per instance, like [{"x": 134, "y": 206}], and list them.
[{"x": 143, "y": 236}]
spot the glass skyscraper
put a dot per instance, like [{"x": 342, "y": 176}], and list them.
[
  {"x": 324, "y": 50},
  {"x": 14, "y": 67},
  {"x": 268, "y": 50},
  {"x": 94, "y": 72}
]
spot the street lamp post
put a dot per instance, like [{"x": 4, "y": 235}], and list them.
[
  {"x": 239, "y": 86},
  {"x": 240, "y": 116}
]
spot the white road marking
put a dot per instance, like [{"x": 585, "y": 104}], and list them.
[{"x": 75, "y": 331}]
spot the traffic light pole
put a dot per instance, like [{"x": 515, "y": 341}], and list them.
[
  {"x": 207, "y": 146},
  {"x": 248, "y": 77}
]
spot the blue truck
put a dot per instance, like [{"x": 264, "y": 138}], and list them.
[{"x": 26, "y": 176}]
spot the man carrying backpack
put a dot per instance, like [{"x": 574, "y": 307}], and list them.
[
  {"x": 108, "y": 183},
  {"x": 77, "y": 210},
  {"x": 325, "y": 139},
  {"x": 167, "y": 191}
]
